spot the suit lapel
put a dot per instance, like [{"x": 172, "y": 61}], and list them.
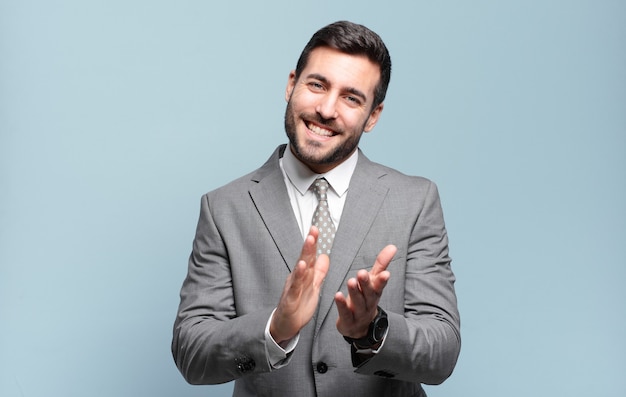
[
  {"x": 365, "y": 197},
  {"x": 271, "y": 200},
  {"x": 366, "y": 194}
]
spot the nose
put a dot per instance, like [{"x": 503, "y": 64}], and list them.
[{"x": 327, "y": 107}]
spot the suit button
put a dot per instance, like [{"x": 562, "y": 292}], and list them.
[
  {"x": 322, "y": 368},
  {"x": 245, "y": 364}
]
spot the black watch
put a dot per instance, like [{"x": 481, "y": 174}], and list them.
[{"x": 375, "y": 332}]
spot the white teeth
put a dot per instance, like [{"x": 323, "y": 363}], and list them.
[{"x": 320, "y": 131}]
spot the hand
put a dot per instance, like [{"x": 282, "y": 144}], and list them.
[
  {"x": 359, "y": 309},
  {"x": 300, "y": 296}
]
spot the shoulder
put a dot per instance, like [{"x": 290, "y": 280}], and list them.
[
  {"x": 241, "y": 185},
  {"x": 392, "y": 177}
]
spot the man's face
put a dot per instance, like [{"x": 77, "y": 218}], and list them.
[{"x": 330, "y": 106}]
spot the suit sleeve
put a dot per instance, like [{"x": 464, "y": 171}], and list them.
[
  {"x": 211, "y": 344},
  {"x": 423, "y": 342}
]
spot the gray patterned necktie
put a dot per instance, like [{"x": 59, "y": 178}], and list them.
[{"x": 322, "y": 219}]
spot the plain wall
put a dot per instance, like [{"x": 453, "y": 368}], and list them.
[{"x": 116, "y": 116}]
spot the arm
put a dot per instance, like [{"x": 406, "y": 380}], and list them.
[
  {"x": 213, "y": 341},
  {"x": 211, "y": 344},
  {"x": 423, "y": 341}
]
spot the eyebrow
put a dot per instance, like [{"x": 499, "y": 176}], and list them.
[{"x": 350, "y": 90}]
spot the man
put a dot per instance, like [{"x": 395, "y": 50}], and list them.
[{"x": 257, "y": 304}]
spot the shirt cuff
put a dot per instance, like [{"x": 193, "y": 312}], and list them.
[{"x": 278, "y": 356}]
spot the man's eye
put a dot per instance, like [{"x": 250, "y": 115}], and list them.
[
  {"x": 353, "y": 100},
  {"x": 315, "y": 85}
]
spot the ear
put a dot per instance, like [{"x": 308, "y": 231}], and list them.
[
  {"x": 291, "y": 83},
  {"x": 373, "y": 118}
]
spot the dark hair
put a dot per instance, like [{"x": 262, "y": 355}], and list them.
[{"x": 354, "y": 39}]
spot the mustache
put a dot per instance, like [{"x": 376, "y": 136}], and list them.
[{"x": 318, "y": 119}]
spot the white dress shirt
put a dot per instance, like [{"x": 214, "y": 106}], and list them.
[{"x": 298, "y": 179}]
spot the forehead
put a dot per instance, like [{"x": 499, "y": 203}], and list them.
[{"x": 343, "y": 70}]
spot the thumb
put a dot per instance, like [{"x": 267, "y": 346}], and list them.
[{"x": 322, "y": 264}]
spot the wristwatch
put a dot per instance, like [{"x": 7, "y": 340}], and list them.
[{"x": 375, "y": 332}]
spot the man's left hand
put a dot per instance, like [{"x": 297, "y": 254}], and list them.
[{"x": 359, "y": 308}]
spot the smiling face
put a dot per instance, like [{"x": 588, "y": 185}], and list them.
[{"x": 329, "y": 106}]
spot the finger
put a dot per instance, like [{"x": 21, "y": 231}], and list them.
[
  {"x": 383, "y": 259},
  {"x": 322, "y": 264},
  {"x": 345, "y": 315},
  {"x": 356, "y": 299},
  {"x": 372, "y": 284},
  {"x": 308, "y": 279},
  {"x": 342, "y": 305},
  {"x": 309, "y": 248},
  {"x": 365, "y": 282},
  {"x": 372, "y": 287},
  {"x": 297, "y": 279}
]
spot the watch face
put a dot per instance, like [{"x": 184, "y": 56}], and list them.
[{"x": 380, "y": 328}]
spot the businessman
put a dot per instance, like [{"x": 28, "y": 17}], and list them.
[{"x": 322, "y": 273}]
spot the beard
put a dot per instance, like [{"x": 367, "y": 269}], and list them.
[{"x": 311, "y": 152}]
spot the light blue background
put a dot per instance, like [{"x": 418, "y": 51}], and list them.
[{"x": 115, "y": 116}]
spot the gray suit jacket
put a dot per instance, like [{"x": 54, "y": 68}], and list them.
[{"x": 247, "y": 242}]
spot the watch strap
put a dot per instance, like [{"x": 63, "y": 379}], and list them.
[{"x": 375, "y": 333}]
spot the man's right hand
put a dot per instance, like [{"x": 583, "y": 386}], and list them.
[{"x": 300, "y": 296}]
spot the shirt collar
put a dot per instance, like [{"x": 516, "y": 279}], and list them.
[{"x": 302, "y": 177}]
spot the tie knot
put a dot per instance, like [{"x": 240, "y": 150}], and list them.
[{"x": 320, "y": 187}]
